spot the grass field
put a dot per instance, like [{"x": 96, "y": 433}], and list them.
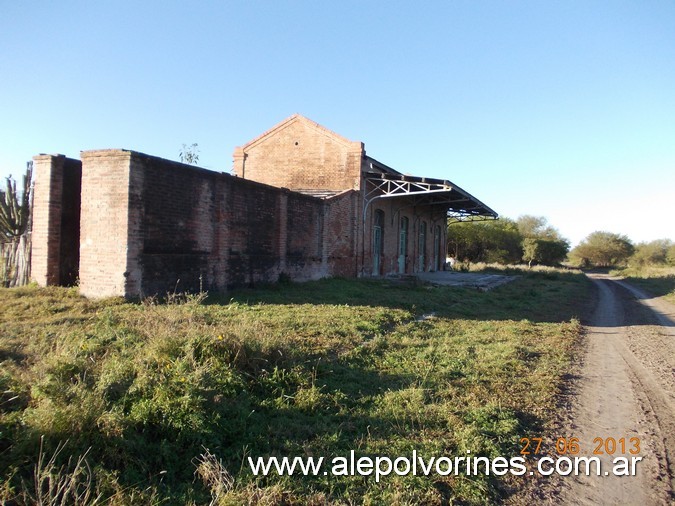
[
  {"x": 138, "y": 391},
  {"x": 657, "y": 280}
]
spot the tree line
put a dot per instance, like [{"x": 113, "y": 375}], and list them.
[
  {"x": 528, "y": 239},
  {"x": 532, "y": 240},
  {"x": 606, "y": 249}
]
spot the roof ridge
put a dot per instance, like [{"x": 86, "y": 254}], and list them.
[{"x": 304, "y": 119}]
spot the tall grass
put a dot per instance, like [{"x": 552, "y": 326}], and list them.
[
  {"x": 66, "y": 484},
  {"x": 141, "y": 390},
  {"x": 658, "y": 280}
]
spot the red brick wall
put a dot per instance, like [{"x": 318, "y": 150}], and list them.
[
  {"x": 56, "y": 220},
  {"x": 152, "y": 226},
  {"x": 304, "y": 237},
  {"x": 105, "y": 225},
  {"x": 176, "y": 233},
  {"x": 299, "y": 154},
  {"x": 394, "y": 210},
  {"x": 341, "y": 233},
  {"x": 252, "y": 227}
]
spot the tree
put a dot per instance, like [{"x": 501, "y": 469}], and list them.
[
  {"x": 537, "y": 227},
  {"x": 489, "y": 241},
  {"x": 602, "y": 249},
  {"x": 670, "y": 255},
  {"x": 651, "y": 253},
  {"x": 189, "y": 154},
  {"x": 542, "y": 243},
  {"x": 544, "y": 251},
  {"x": 530, "y": 250},
  {"x": 505, "y": 241},
  {"x": 553, "y": 252}
]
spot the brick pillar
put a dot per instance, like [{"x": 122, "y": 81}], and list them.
[
  {"x": 47, "y": 210},
  {"x": 282, "y": 213},
  {"x": 357, "y": 230},
  {"x": 355, "y": 163},
  {"x": 324, "y": 239},
  {"x": 221, "y": 245},
  {"x": 110, "y": 238},
  {"x": 238, "y": 163}
]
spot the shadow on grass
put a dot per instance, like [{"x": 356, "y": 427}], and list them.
[
  {"x": 149, "y": 435},
  {"x": 538, "y": 297},
  {"x": 159, "y": 455},
  {"x": 656, "y": 286}
]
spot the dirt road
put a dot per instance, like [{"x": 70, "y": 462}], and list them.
[{"x": 625, "y": 389}]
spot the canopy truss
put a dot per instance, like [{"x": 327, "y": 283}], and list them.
[{"x": 422, "y": 191}]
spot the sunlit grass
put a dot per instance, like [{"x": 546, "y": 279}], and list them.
[
  {"x": 657, "y": 280},
  {"x": 290, "y": 370}
]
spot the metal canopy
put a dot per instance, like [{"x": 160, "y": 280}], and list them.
[{"x": 423, "y": 191}]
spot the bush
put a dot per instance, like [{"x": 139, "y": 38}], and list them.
[
  {"x": 602, "y": 249},
  {"x": 651, "y": 253}
]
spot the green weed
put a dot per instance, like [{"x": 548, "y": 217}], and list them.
[
  {"x": 319, "y": 368},
  {"x": 656, "y": 280}
]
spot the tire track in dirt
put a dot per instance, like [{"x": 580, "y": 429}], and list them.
[{"x": 626, "y": 390}]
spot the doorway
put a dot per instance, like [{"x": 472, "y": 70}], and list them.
[
  {"x": 437, "y": 246},
  {"x": 378, "y": 225},
  {"x": 422, "y": 247},
  {"x": 403, "y": 245}
]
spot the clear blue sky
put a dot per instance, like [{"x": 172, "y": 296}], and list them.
[{"x": 564, "y": 109}]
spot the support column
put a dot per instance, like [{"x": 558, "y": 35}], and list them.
[
  {"x": 111, "y": 234},
  {"x": 56, "y": 220},
  {"x": 283, "y": 230},
  {"x": 238, "y": 163},
  {"x": 46, "y": 231}
]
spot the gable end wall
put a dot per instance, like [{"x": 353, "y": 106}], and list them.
[{"x": 301, "y": 156}]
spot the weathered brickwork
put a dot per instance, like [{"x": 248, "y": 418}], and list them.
[
  {"x": 341, "y": 234},
  {"x": 56, "y": 220},
  {"x": 152, "y": 226},
  {"x": 300, "y": 154},
  {"x": 106, "y": 225},
  {"x": 296, "y": 206},
  {"x": 177, "y": 230},
  {"x": 418, "y": 255}
]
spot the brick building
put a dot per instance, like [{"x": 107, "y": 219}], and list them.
[{"x": 303, "y": 201}]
